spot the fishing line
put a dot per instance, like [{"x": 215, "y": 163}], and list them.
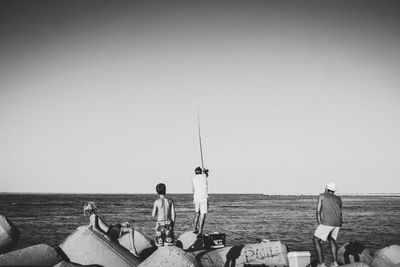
[{"x": 243, "y": 235}]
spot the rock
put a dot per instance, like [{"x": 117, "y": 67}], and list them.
[
  {"x": 38, "y": 255},
  {"x": 67, "y": 264},
  {"x": 189, "y": 241},
  {"x": 272, "y": 253},
  {"x": 356, "y": 264},
  {"x": 144, "y": 245},
  {"x": 170, "y": 256},
  {"x": 381, "y": 262},
  {"x": 71, "y": 264},
  {"x": 9, "y": 235},
  {"x": 85, "y": 247},
  {"x": 391, "y": 253},
  {"x": 387, "y": 257}
]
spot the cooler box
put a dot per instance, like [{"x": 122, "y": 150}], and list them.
[
  {"x": 299, "y": 258},
  {"x": 214, "y": 240}
]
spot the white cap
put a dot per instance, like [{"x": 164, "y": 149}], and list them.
[{"x": 331, "y": 186}]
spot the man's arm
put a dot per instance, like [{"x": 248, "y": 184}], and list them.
[{"x": 318, "y": 209}]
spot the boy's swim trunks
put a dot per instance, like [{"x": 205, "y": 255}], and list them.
[{"x": 164, "y": 233}]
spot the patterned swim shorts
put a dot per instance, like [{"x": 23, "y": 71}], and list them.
[{"x": 164, "y": 233}]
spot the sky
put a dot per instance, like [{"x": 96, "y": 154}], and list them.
[{"x": 104, "y": 96}]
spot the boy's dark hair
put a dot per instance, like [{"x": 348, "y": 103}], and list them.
[
  {"x": 160, "y": 188},
  {"x": 198, "y": 170}
]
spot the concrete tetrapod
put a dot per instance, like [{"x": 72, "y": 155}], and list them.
[
  {"x": 9, "y": 235},
  {"x": 190, "y": 242},
  {"x": 144, "y": 245},
  {"x": 356, "y": 264},
  {"x": 85, "y": 247},
  {"x": 387, "y": 256},
  {"x": 69, "y": 264},
  {"x": 38, "y": 255},
  {"x": 272, "y": 253},
  {"x": 170, "y": 256}
]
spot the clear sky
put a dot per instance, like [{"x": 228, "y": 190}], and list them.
[{"x": 103, "y": 96}]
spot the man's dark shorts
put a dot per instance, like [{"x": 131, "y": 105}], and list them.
[{"x": 114, "y": 231}]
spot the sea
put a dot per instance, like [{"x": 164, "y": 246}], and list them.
[{"x": 373, "y": 220}]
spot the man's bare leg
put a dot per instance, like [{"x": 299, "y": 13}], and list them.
[
  {"x": 196, "y": 223},
  {"x": 202, "y": 220},
  {"x": 333, "y": 245},
  {"x": 318, "y": 249}
]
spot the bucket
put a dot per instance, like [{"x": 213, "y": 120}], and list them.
[{"x": 299, "y": 258}]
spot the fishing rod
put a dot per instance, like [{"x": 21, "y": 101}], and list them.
[{"x": 201, "y": 147}]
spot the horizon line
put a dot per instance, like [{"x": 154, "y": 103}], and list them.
[{"x": 225, "y": 193}]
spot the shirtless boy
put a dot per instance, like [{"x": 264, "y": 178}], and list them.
[{"x": 164, "y": 209}]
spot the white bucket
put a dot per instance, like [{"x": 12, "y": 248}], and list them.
[{"x": 299, "y": 258}]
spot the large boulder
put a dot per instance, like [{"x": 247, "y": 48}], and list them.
[
  {"x": 190, "y": 242},
  {"x": 86, "y": 246},
  {"x": 170, "y": 256},
  {"x": 38, "y": 255},
  {"x": 9, "y": 235},
  {"x": 144, "y": 245},
  {"x": 356, "y": 264},
  {"x": 272, "y": 253},
  {"x": 67, "y": 264},
  {"x": 387, "y": 257}
]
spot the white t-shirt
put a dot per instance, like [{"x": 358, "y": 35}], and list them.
[{"x": 200, "y": 188}]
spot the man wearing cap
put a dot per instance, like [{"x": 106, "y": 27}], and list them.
[
  {"x": 200, "y": 196},
  {"x": 329, "y": 218}
]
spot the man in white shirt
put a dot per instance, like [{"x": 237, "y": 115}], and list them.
[{"x": 200, "y": 196}]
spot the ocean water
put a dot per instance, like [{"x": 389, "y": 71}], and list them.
[{"x": 50, "y": 218}]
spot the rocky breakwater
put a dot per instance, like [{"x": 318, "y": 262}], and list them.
[
  {"x": 83, "y": 247},
  {"x": 37, "y": 255}
]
